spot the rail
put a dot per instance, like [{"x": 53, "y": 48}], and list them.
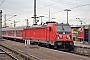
[
  {"x": 85, "y": 51},
  {"x": 4, "y": 52},
  {"x": 20, "y": 54}
]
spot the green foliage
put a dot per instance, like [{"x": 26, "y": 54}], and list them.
[
  {"x": 75, "y": 29},
  {"x": 29, "y": 56}
]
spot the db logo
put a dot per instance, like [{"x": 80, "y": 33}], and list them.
[{"x": 64, "y": 36}]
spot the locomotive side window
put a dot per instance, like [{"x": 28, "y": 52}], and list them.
[
  {"x": 61, "y": 29},
  {"x": 50, "y": 29}
]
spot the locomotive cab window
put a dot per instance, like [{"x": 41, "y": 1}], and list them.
[{"x": 63, "y": 29}]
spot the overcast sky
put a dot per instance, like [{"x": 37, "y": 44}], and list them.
[{"x": 24, "y": 10}]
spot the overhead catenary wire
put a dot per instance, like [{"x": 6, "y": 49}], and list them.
[
  {"x": 55, "y": 2},
  {"x": 2, "y": 2},
  {"x": 65, "y": 2},
  {"x": 77, "y": 6},
  {"x": 50, "y": 5},
  {"x": 39, "y": 8},
  {"x": 70, "y": 8},
  {"x": 59, "y": 10}
]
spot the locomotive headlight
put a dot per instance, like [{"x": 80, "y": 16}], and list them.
[
  {"x": 68, "y": 37},
  {"x": 58, "y": 37}
]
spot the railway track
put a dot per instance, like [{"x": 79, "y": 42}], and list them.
[
  {"x": 84, "y": 51},
  {"x": 78, "y": 51},
  {"x": 6, "y": 56},
  {"x": 15, "y": 55}
]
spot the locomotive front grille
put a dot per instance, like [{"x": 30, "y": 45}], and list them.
[{"x": 64, "y": 44}]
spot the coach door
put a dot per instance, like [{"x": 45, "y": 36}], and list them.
[
  {"x": 24, "y": 33},
  {"x": 14, "y": 33}
]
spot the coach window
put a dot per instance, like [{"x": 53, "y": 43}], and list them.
[
  {"x": 11, "y": 32},
  {"x": 4, "y": 32},
  {"x": 50, "y": 29},
  {"x": 18, "y": 32}
]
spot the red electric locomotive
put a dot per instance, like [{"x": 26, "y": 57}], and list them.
[{"x": 51, "y": 34}]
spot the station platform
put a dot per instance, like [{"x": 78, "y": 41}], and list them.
[{"x": 81, "y": 44}]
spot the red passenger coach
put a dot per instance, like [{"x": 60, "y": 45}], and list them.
[{"x": 13, "y": 33}]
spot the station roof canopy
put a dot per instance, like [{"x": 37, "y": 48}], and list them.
[{"x": 75, "y": 26}]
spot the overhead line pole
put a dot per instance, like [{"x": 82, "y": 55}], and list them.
[
  {"x": 27, "y": 22},
  {"x": 5, "y": 21},
  {"x": 0, "y": 24},
  {"x": 15, "y": 23},
  {"x": 49, "y": 14},
  {"x": 35, "y": 10},
  {"x": 35, "y": 16}
]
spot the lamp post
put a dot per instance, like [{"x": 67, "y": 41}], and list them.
[
  {"x": 67, "y": 13},
  {"x": 41, "y": 19},
  {"x": 80, "y": 20},
  {"x": 53, "y": 18}
]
